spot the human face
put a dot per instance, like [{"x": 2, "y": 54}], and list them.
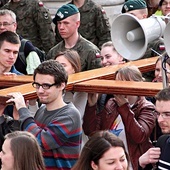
[
  {"x": 8, "y": 24},
  {"x": 137, "y": 13},
  {"x": 113, "y": 159},
  {"x": 109, "y": 57},
  {"x": 165, "y": 8},
  {"x": 6, "y": 156},
  {"x": 68, "y": 27},
  {"x": 8, "y": 55},
  {"x": 158, "y": 71},
  {"x": 163, "y": 107},
  {"x": 66, "y": 64},
  {"x": 51, "y": 95}
]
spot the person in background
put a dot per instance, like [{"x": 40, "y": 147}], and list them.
[
  {"x": 71, "y": 62},
  {"x": 129, "y": 117},
  {"x": 67, "y": 19},
  {"x": 153, "y": 7},
  {"x": 56, "y": 125},
  {"x": 8, "y": 23},
  {"x": 33, "y": 22},
  {"x": 21, "y": 151},
  {"x": 109, "y": 55},
  {"x": 103, "y": 151},
  {"x": 158, "y": 157},
  {"x": 94, "y": 24},
  {"x": 9, "y": 49},
  {"x": 164, "y": 6}
]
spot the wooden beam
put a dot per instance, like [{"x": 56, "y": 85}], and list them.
[
  {"x": 119, "y": 87},
  {"x": 144, "y": 65},
  {"x": 26, "y": 90}
]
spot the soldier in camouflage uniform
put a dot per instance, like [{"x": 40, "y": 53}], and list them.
[
  {"x": 94, "y": 24},
  {"x": 34, "y": 22},
  {"x": 68, "y": 21}
]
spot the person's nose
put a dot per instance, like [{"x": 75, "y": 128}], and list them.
[
  {"x": 119, "y": 166},
  {"x": 40, "y": 89},
  {"x": 160, "y": 74},
  {"x": 104, "y": 61}
]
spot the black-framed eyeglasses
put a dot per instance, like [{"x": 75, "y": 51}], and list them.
[
  {"x": 165, "y": 115},
  {"x": 6, "y": 24},
  {"x": 45, "y": 86}
]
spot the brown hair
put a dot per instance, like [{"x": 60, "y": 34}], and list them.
[
  {"x": 95, "y": 147},
  {"x": 129, "y": 73},
  {"x": 26, "y": 151},
  {"x": 73, "y": 57}
]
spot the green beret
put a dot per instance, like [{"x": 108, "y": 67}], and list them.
[
  {"x": 131, "y": 5},
  {"x": 64, "y": 12}
]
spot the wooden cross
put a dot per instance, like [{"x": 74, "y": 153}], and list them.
[{"x": 97, "y": 80}]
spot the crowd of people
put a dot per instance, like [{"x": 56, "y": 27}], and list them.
[{"x": 64, "y": 130}]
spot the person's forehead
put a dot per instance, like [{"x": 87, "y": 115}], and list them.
[{"x": 162, "y": 105}]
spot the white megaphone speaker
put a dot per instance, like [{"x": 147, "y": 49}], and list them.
[
  {"x": 167, "y": 38},
  {"x": 131, "y": 36}
]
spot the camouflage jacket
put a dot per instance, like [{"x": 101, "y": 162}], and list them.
[
  {"x": 33, "y": 22},
  {"x": 88, "y": 53},
  {"x": 94, "y": 24}
]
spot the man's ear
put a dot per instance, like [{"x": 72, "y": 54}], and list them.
[
  {"x": 94, "y": 166},
  {"x": 63, "y": 85}
]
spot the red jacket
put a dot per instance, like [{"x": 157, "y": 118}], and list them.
[{"x": 138, "y": 121}]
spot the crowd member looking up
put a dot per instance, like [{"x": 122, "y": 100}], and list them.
[
  {"x": 56, "y": 125},
  {"x": 109, "y": 55},
  {"x": 8, "y": 23},
  {"x": 71, "y": 62},
  {"x": 33, "y": 22},
  {"x": 158, "y": 157},
  {"x": 9, "y": 49},
  {"x": 129, "y": 117},
  {"x": 103, "y": 151},
  {"x": 68, "y": 22},
  {"x": 94, "y": 24},
  {"x": 21, "y": 151}
]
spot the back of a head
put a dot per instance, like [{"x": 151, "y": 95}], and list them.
[
  {"x": 9, "y": 37},
  {"x": 52, "y": 68},
  {"x": 26, "y": 151},
  {"x": 129, "y": 73}
]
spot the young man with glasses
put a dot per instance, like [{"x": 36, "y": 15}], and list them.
[
  {"x": 158, "y": 157},
  {"x": 56, "y": 125}
]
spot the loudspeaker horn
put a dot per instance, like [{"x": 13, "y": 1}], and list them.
[
  {"x": 167, "y": 38},
  {"x": 131, "y": 36}
]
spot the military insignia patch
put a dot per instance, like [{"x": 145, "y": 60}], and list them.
[
  {"x": 45, "y": 15},
  {"x": 60, "y": 15}
]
